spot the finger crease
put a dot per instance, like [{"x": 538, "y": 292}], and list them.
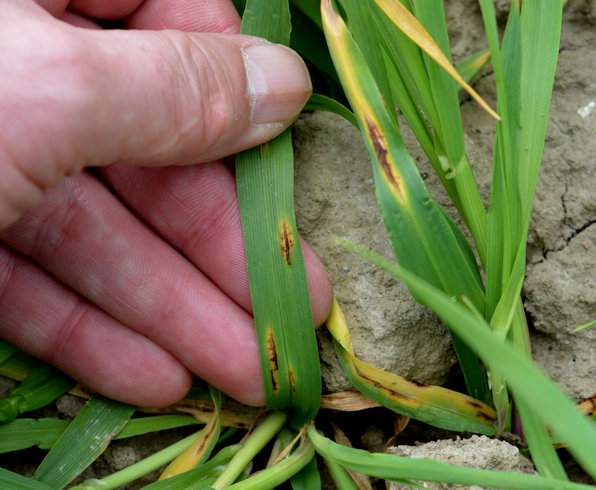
[
  {"x": 7, "y": 271},
  {"x": 205, "y": 228},
  {"x": 65, "y": 333}
]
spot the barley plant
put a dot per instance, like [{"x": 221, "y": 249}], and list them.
[{"x": 381, "y": 64}]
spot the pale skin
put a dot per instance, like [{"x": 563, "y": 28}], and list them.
[{"x": 133, "y": 279}]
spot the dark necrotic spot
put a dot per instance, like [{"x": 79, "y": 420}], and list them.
[
  {"x": 292, "y": 380},
  {"x": 475, "y": 404},
  {"x": 391, "y": 392},
  {"x": 380, "y": 147},
  {"x": 286, "y": 242},
  {"x": 273, "y": 362},
  {"x": 485, "y": 416}
]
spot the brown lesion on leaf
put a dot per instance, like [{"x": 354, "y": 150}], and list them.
[
  {"x": 207, "y": 436},
  {"x": 487, "y": 417},
  {"x": 292, "y": 379},
  {"x": 482, "y": 411},
  {"x": 396, "y": 395},
  {"x": 380, "y": 146},
  {"x": 273, "y": 361},
  {"x": 474, "y": 403},
  {"x": 286, "y": 241}
]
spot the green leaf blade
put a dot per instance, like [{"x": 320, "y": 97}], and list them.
[
  {"x": 421, "y": 234},
  {"x": 14, "y": 481},
  {"x": 392, "y": 467},
  {"x": 277, "y": 277},
  {"x": 85, "y": 439}
]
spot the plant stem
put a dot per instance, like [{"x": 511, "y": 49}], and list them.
[
  {"x": 472, "y": 208},
  {"x": 341, "y": 478},
  {"x": 250, "y": 448},
  {"x": 139, "y": 469},
  {"x": 279, "y": 472}
]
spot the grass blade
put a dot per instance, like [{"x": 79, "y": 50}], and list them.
[
  {"x": 6, "y": 351},
  {"x": 87, "y": 436},
  {"x": 18, "y": 366},
  {"x": 421, "y": 234},
  {"x": 192, "y": 479},
  {"x": 341, "y": 478},
  {"x": 43, "y": 433},
  {"x": 428, "y": 99},
  {"x": 156, "y": 423},
  {"x": 24, "y": 433},
  {"x": 433, "y": 405},
  {"x": 527, "y": 382},
  {"x": 585, "y": 326},
  {"x": 310, "y": 8},
  {"x": 277, "y": 278},
  {"x": 541, "y": 28},
  {"x": 307, "y": 39},
  {"x": 14, "y": 481},
  {"x": 471, "y": 66},
  {"x": 279, "y": 472},
  {"x": 318, "y": 102},
  {"x": 42, "y": 386},
  {"x": 392, "y": 467},
  {"x": 140, "y": 468},
  {"x": 544, "y": 455},
  {"x": 203, "y": 445},
  {"x": 412, "y": 28},
  {"x": 524, "y": 87},
  {"x": 251, "y": 446},
  {"x": 308, "y": 478}
]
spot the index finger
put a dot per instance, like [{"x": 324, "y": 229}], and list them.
[
  {"x": 101, "y": 9},
  {"x": 186, "y": 15}
]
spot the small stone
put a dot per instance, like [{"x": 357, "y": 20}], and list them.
[
  {"x": 373, "y": 439},
  {"x": 119, "y": 457},
  {"x": 69, "y": 405},
  {"x": 475, "y": 452}
]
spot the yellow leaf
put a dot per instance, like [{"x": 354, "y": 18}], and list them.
[
  {"x": 433, "y": 404},
  {"x": 194, "y": 454},
  {"x": 411, "y": 27}
]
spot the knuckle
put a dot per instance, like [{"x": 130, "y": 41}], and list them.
[
  {"x": 205, "y": 89},
  {"x": 46, "y": 98},
  {"x": 226, "y": 25},
  {"x": 19, "y": 188},
  {"x": 67, "y": 330},
  {"x": 66, "y": 62},
  {"x": 58, "y": 222},
  {"x": 7, "y": 268}
]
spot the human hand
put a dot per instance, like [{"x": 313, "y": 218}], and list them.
[{"x": 130, "y": 279}]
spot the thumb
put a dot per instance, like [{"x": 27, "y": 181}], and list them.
[
  {"x": 79, "y": 97},
  {"x": 173, "y": 97}
]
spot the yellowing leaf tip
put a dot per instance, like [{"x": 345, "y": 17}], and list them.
[{"x": 406, "y": 22}]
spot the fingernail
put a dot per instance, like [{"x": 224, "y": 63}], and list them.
[{"x": 278, "y": 83}]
